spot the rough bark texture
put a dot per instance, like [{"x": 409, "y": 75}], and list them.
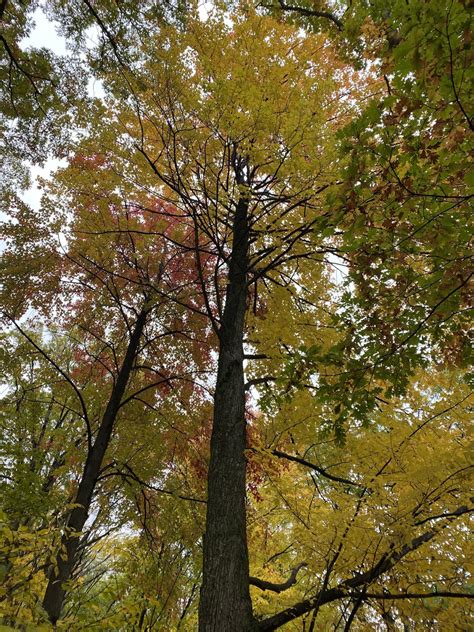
[
  {"x": 55, "y": 591},
  {"x": 225, "y": 604}
]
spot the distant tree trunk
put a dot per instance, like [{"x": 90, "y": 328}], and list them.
[
  {"x": 225, "y": 604},
  {"x": 66, "y": 559}
]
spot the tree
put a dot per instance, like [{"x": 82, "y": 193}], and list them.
[
  {"x": 329, "y": 526},
  {"x": 405, "y": 192},
  {"x": 40, "y": 436},
  {"x": 41, "y": 93},
  {"x": 276, "y": 162},
  {"x": 106, "y": 288},
  {"x": 239, "y": 165}
]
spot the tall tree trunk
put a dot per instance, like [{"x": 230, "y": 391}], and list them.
[
  {"x": 66, "y": 559},
  {"x": 225, "y": 604}
]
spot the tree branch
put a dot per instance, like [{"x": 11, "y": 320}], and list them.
[
  {"x": 3, "y": 6},
  {"x": 76, "y": 390},
  {"x": 131, "y": 474},
  {"x": 316, "y": 468},
  {"x": 312, "y": 13},
  {"x": 457, "y": 512},
  {"x": 278, "y": 588},
  {"x": 453, "y": 595},
  {"x": 344, "y": 589},
  {"x": 259, "y": 380}
]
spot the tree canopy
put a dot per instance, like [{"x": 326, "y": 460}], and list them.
[{"x": 236, "y": 388}]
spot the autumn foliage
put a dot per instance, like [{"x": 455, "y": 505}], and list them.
[{"x": 235, "y": 364}]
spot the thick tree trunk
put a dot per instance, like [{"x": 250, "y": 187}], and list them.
[
  {"x": 225, "y": 604},
  {"x": 66, "y": 559}
]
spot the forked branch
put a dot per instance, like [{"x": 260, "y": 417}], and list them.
[{"x": 278, "y": 588}]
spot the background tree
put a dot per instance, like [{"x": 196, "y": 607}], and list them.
[
  {"x": 242, "y": 125},
  {"x": 405, "y": 196},
  {"x": 102, "y": 298},
  {"x": 41, "y": 94}
]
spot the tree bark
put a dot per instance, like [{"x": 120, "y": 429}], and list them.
[
  {"x": 66, "y": 559},
  {"x": 225, "y": 604}
]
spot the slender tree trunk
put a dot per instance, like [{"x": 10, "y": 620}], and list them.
[
  {"x": 65, "y": 560},
  {"x": 225, "y": 604}
]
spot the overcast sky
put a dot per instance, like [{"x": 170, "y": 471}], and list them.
[{"x": 44, "y": 35}]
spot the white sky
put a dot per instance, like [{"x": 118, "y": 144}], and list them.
[{"x": 44, "y": 35}]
